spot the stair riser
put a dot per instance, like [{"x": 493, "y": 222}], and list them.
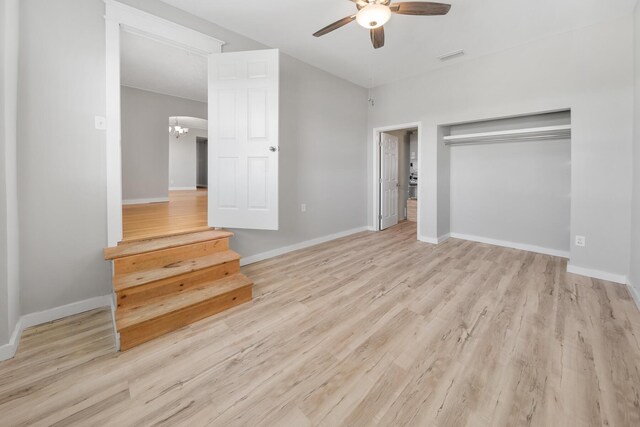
[
  {"x": 142, "y": 332},
  {"x": 165, "y": 257},
  {"x": 174, "y": 285}
]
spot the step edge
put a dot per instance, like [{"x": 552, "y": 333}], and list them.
[
  {"x": 112, "y": 253},
  {"x": 131, "y": 329},
  {"x": 233, "y": 258},
  {"x": 119, "y": 327}
]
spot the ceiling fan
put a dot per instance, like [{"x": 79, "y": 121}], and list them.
[{"x": 373, "y": 14}]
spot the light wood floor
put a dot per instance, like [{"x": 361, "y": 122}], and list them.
[
  {"x": 372, "y": 329},
  {"x": 185, "y": 211}
]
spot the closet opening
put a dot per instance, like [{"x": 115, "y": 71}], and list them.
[{"x": 509, "y": 182}]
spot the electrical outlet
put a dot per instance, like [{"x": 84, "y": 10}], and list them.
[
  {"x": 303, "y": 207},
  {"x": 581, "y": 241}
]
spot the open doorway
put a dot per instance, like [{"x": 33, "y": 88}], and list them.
[
  {"x": 202, "y": 163},
  {"x": 396, "y": 177},
  {"x": 164, "y": 93}
]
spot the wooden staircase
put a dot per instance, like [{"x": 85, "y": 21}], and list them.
[{"x": 165, "y": 283}]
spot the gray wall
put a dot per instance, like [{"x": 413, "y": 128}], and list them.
[
  {"x": 589, "y": 70},
  {"x": 183, "y": 159},
  {"x": 145, "y": 145},
  {"x": 634, "y": 272},
  {"x": 322, "y": 159},
  {"x": 9, "y": 245},
  {"x": 515, "y": 191},
  {"x": 61, "y": 161}
]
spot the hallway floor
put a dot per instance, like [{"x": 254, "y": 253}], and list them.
[{"x": 186, "y": 211}]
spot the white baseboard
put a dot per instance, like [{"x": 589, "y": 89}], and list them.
[
  {"x": 286, "y": 249},
  {"x": 182, "y": 188},
  {"x": 635, "y": 292},
  {"x": 8, "y": 350},
  {"x": 143, "y": 201},
  {"x": 434, "y": 240},
  {"x": 513, "y": 245},
  {"x": 597, "y": 274}
]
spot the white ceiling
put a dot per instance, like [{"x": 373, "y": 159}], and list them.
[
  {"x": 412, "y": 43},
  {"x": 151, "y": 65}
]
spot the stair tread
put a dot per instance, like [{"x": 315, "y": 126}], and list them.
[
  {"x": 138, "y": 278},
  {"x": 166, "y": 304},
  {"x": 154, "y": 244}
]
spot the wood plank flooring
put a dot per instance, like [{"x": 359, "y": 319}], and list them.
[
  {"x": 372, "y": 329},
  {"x": 186, "y": 211}
]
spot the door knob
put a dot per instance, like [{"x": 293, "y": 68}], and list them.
[{"x": 273, "y": 149}]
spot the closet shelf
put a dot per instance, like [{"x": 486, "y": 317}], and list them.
[{"x": 514, "y": 135}]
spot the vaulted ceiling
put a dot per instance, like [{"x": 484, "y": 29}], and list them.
[{"x": 413, "y": 43}]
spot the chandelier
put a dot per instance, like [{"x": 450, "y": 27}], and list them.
[{"x": 177, "y": 130}]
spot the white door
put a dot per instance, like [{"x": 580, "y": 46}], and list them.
[
  {"x": 243, "y": 139},
  {"x": 388, "y": 180}
]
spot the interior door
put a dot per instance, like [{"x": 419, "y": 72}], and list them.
[
  {"x": 243, "y": 139},
  {"x": 389, "y": 183}
]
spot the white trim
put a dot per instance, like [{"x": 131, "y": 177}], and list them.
[
  {"x": 119, "y": 16},
  {"x": 143, "y": 201},
  {"x": 513, "y": 245},
  {"x": 597, "y": 274},
  {"x": 376, "y": 167},
  {"x": 145, "y": 24},
  {"x": 183, "y": 188},
  {"x": 296, "y": 246},
  {"x": 635, "y": 293},
  {"x": 8, "y": 350},
  {"x": 431, "y": 240},
  {"x": 434, "y": 240}
]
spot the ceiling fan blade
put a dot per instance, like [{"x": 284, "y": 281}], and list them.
[
  {"x": 420, "y": 8},
  {"x": 334, "y": 26},
  {"x": 377, "y": 37}
]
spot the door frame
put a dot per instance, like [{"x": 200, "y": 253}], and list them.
[
  {"x": 119, "y": 17},
  {"x": 376, "y": 167}
]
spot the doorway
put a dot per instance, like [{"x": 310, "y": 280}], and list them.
[
  {"x": 118, "y": 18},
  {"x": 202, "y": 162},
  {"x": 396, "y": 157}
]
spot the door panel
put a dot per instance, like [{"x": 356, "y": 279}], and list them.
[
  {"x": 389, "y": 180},
  {"x": 243, "y": 139}
]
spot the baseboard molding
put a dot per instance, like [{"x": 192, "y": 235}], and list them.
[
  {"x": 286, "y": 249},
  {"x": 513, "y": 245},
  {"x": 8, "y": 350},
  {"x": 183, "y": 188},
  {"x": 143, "y": 201},
  {"x": 597, "y": 274},
  {"x": 635, "y": 293}
]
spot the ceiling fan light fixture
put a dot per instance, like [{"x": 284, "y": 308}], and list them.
[{"x": 373, "y": 15}]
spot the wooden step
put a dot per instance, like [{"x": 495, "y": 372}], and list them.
[
  {"x": 125, "y": 281},
  {"x": 175, "y": 284},
  {"x": 126, "y": 249},
  {"x": 163, "y": 257},
  {"x": 158, "y": 316}
]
